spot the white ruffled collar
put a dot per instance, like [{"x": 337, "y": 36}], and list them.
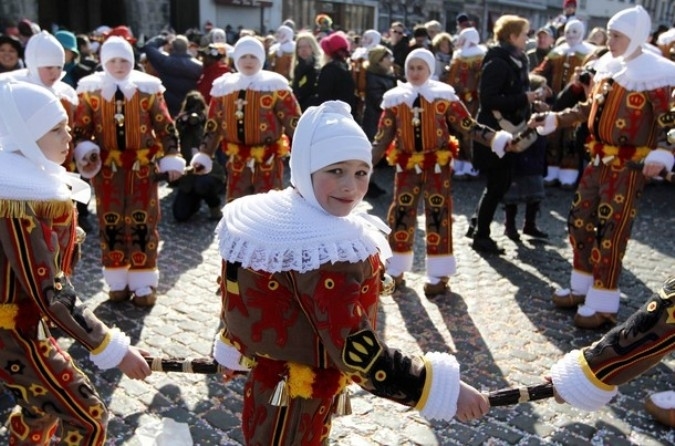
[
  {"x": 646, "y": 72},
  {"x": 21, "y": 179},
  {"x": 136, "y": 80},
  {"x": 472, "y": 51},
  {"x": 263, "y": 80},
  {"x": 280, "y": 231},
  {"x": 406, "y": 93}
]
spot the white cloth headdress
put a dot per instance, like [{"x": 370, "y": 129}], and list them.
[
  {"x": 635, "y": 24},
  {"x": 28, "y": 112},
  {"x": 248, "y": 45},
  {"x": 43, "y": 50}
]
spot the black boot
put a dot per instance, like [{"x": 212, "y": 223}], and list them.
[
  {"x": 530, "y": 228},
  {"x": 510, "y": 211}
]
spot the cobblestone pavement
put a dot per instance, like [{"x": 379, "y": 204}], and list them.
[{"x": 498, "y": 321}]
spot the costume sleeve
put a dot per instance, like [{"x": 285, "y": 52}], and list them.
[
  {"x": 588, "y": 378},
  {"x": 32, "y": 250},
  {"x": 332, "y": 300},
  {"x": 83, "y": 128},
  {"x": 459, "y": 118},
  {"x": 165, "y": 128},
  {"x": 386, "y": 132},
  {"x": 213, "y": 130},
  {"x": 288, "y": 111}
]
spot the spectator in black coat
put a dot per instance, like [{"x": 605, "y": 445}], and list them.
[
  {"x": 505, "y": 88},
  {"x": 398, "y": 44},
  {"x": 335, "y": 80},
  {"x": 178, "y": 70},
  {"x": 379, "y": 78},
  {"x": 306, "y": 65}
]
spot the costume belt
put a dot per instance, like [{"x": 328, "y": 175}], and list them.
[
  {"x": 259, "y": 153},
  {"x": 302, "y": 380},
  {"x": 17, "y": 317},
  {"x": 421, "y": 161},
  {"x": 616, "y": 156},
  {"x": 129, "y": 159}
]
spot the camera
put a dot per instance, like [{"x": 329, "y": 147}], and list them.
[{"x": 586, "y": 76}]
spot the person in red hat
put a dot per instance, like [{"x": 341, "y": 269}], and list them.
[
  {"x": 335, "y": 81},
  {"x": 569, "y": 13}
]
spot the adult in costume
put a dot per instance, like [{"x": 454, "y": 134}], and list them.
[
  {"x": 419, "y": 118},
  {"x": 300, "y": 302},
  {"x": 628, "y": 115},
  {"x": 52, "y": 393},
  {"x": 122, "y": 128},
  {"x": 252, "y": 115}
]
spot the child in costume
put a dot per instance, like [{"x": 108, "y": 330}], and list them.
[
  {"x": 300, "y": 302},
  {"x": 629, "y": 113},
  {"x": 419, "y": 118},
  {"x": 252, "y": 114},
  {"x": 122, "y": 128},
  {"x": 35, "y": 191},
  {"x": 588, "y": 378}
]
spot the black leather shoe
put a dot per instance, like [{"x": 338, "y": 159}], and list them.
[
  {"x": 486, "y": 245},
  {"x": 512, "y": 233},
  {"x": 534, "y": 232}
]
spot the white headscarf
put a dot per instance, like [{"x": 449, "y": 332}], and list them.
[
  {"x": 371, "y": 38},
  {"x": 43, "y": 50},
  {"x": 425, "y": 55},
  {"x": 325, "y": 135},
  {"x": 28, "y": 112},
  {"x": 574, "y": 32},
  {"x": 248, "y": 45},
  {"x": 635, "y": 24}
]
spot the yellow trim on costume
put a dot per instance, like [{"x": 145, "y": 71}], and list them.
[
  {"x": 103, "y": 345},
  {"x": 605, "y": 150},
  {"x": 591, "y": 376},
  {"x": 8, "y": 314},
  {"x": 301, "y": 378},
  {"x": 47, "y": 209},
  {"x": 115, "y": 156},
  {"x": 427, "y": 385}
]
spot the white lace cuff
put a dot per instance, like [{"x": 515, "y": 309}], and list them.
[
  {"x": 203, "y": 160},
  {"x": 441, "y": 389},
  {"x": 499, "y": 142},
  {"x": 550, "y": 124},
  {"x": 111, "y": 351},
  {"x": 172, "y": 162},
  {"x": 83, "y": 151},
  {"x": 576, "y": 384},
  {"x": 661, "y": 156},
  {"x": 228, "y": 356}
]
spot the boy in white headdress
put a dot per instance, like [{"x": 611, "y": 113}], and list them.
[
  {"x": 419, "y": 118},
  {"x": 370, "y": 39},
  {"x": 628, "y": 115},
  {"x": 45, "y": 59},
  {"x": 558, "y": 67},
  {"x": 123, "y": 132},
  {"x": 252, "y": 115},
  {"x": 52, "y": 393},
  {"x": 281, "y": 52},
  {"x": 464, "y": 76},
  {"x": 300, "y": 302}
]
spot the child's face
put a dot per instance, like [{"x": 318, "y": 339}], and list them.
[
  {"x": 340, "y": 187},
  {"x": 49, "y": 75},
  {"x": 618, "y": 43},
  {"x": 54, "y": 143},
  {"x": 118, "y": 68},
  {"x": 418, "y": 72},
  {"x": 249, "y": 65}
]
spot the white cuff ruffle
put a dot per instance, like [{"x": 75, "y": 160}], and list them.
[
  {"x": 203, "y": 160},
  {"x": 441, "y": 390},
  {"x": 172, "y": 162},
  {"x": 228, "y": 356},
  {"x": 114, "y": 352},
  {"x": 661, "y": 156},
  {"x": 550, "y": 124},
  {"x": 499, "y": 142},
  {"x": 576, "y": 387},
  {"x": 83, "y": 150}
]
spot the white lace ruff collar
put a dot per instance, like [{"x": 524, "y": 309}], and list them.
[
  {"x": 280, "y": 231},
  {"x": 406, "y": 93}
]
